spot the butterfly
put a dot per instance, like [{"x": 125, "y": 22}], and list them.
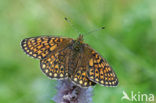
[{"x": 66, "y": 58}]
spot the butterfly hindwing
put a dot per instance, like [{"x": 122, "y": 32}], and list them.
[
  {"x": 79, "y": 75},
  {"x": 81, "y": 79},
  {"x": 40, "y": 47},
  {"x": 99, "y": 70}
]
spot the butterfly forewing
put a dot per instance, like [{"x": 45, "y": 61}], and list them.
[
  {"x": 99, "y": 70},
  {"x": 40, "y": 47}
]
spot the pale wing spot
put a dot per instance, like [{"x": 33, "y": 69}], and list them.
[
  {"x": 91, "y": 62},
  {"x": 34, "y": 55},
  {"x": 111, "y": 74},
  {"x": 98, "y": 60},
  {"x": 106, "y": 83},
  {"x": 93, "y": 52},
  {"x": 61, "y": 75},
  {"x": 75, "y": 79},
  {"x": 43, "y": 66},
  {"x": 110, "y": 83},
  {"x": 56, "y": 39},
  {"x": 85, "y": 83},
  {"x": 32, "y": 40},
  {"x": 31, "y": 48},
  {"x": 24, "y": 45},
  {"x": 30, "y": 53},
  {"x": 95, "y": 61},
  {"x": 35, "y": 50},
  {"x": 55, "y": 75},
  {"x": 91, "y": 71},
  {"x": 102, "y": 81},
  {"x": 90, "y": 83},
  {"x": 46, "y": 71},
  {"x": 112, "y": 78},
  {"x": 107, "y": 64},
  {"x": 61, "y": 39},
  {"x": 48, "y": 59},
  {"x": 53, "y": 47},
  {"x": 43, "y": 55},
  {"x": 109, "y": 69},
  {"x": 39, "y": 57},
  {"x": 51, "y": 62},
  {"x": 39, "y": 52},
  {"x": 97, "y": 79},
  {"x": 56, "y": 66},
  {"x": 50, "y": 74},
  {"x": 99, "y": 66},
  {"x": 102, "y": 65},
  {"x": 62, "y": 66},
  {"x": 91, "y": 77},
  {"x": 80, "y": 81},
  {"x": 109, "y": 79},
  {"x": 96, "y": 56},
  {"x": 39, "y": 39},
  {"x": 27, "y": 50},
  {"x": 52, "y": 65}
]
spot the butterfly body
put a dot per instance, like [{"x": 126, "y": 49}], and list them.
[{"x": 68, "y": 58}]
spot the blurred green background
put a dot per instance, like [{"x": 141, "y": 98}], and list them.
[{"x": 128, "y": 43}]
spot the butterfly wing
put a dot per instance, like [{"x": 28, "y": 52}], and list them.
[
  {"x": 79, "y": 76},
  {"x": 99, "y": 70},
  {"x": 56, "y": 65},
  {"x": 40, "y": 47}
]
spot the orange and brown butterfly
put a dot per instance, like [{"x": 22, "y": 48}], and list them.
[{"x": 66, "y": 58}]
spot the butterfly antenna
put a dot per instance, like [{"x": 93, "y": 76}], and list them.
[
  {"x": 66, "y": 19},
  {"x": 101, "y": 28}
]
